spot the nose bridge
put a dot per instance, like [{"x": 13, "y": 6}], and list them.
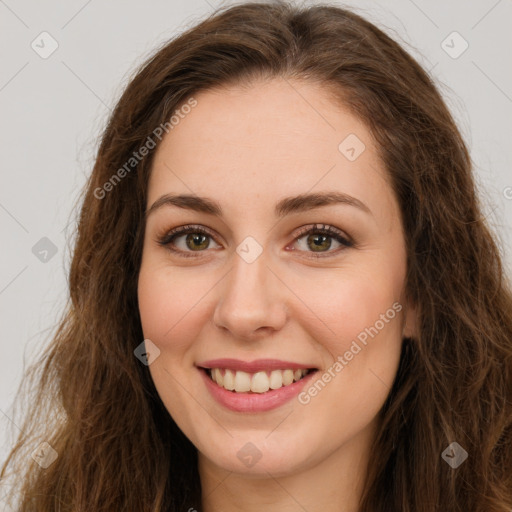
[
  {"x": 249, "y": 280},
  {"x": 249, "y": 299}
]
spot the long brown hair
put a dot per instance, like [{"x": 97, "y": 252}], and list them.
[{"x": 95, "y": 403}]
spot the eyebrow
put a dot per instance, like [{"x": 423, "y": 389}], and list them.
[{"x": 295, "y": 204}]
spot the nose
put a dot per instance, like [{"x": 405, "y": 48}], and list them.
[{"x": 252, "y": 300}]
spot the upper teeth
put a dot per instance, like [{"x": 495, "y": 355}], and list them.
[{"x": 258, "y": 382}]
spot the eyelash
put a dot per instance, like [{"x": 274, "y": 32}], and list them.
[{"x": 167, "y": 239}]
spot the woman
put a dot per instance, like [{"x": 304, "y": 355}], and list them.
[{"x": 283, "y": 293}]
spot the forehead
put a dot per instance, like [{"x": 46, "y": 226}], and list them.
[{"x": 267, "y": 140}]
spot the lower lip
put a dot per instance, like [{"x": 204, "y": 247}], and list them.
[{"x": 254, "y": 402}]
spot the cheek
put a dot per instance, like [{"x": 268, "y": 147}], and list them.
[
  {"x": 172, "y": 314},
  {"x": 345, "y": 308},
  {"x": 170, "y": 305},
  {"x": 360, "y": 314},
  {"x": 364, "y": 355}
]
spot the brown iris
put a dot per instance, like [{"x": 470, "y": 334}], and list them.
[
  {"x": 193, "y": 241},
  {"x": 318, "y": 240}
]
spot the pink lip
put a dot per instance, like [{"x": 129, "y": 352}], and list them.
[
  {"x": 258, "y": 365},
  {"x": 254, "y": 402}
]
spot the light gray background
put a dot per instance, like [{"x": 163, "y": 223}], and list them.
[{"x": 54, "y": 109}]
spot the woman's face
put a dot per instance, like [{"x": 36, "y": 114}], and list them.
[{"x": 264, "y": 171}]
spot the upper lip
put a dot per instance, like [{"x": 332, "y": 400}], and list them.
[{"x": 258, "y": 365}]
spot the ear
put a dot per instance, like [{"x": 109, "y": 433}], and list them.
[{"x": 410, "y": 327}]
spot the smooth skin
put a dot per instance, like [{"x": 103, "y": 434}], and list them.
[{"x": 247, "y": 149}]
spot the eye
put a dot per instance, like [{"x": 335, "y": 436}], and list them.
[
  {"x": 319, "y": 239},
  {"x": 196, "y": 239}
]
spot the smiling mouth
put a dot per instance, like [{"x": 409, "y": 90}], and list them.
[{"x": 258, "y": 382}]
